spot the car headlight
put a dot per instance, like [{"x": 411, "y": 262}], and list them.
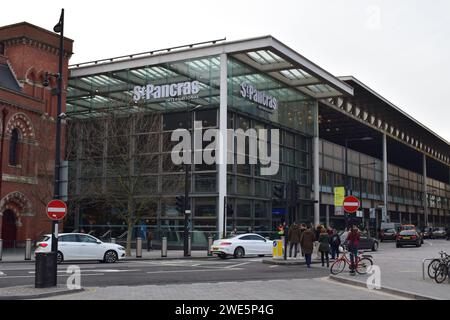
[{"x": 121, "y": 248}]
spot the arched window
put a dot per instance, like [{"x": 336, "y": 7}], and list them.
[{"x": 14, "y": 148}]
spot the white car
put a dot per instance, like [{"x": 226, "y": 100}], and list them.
[
  {"x": 80, "y": 246},
  {"x": 242, "y": 245}
]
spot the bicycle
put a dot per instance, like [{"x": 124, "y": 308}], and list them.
[
  {"x": 434, "y": 264},
  {"x": 363, "y": 262},
  {"x": 443, "y": 270}
]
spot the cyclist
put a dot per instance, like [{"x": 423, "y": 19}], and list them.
[{"x": 353, "y": 243}]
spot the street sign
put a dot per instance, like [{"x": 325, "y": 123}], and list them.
[
  {"x": 339, "y": 195},
  {"x": 351, "y": 204},
  {"x": 56, "y": 209},
  {"x": 339, "y": 211}
]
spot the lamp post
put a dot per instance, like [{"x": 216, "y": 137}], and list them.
[
  {"x": 187, "y": 211},
  {"x": 59, "y": 28},
  {"x": 347, "y": 184}
]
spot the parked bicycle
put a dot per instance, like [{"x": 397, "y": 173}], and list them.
[
  {"x": 434, "y": 264},
  {"x": 363, "y": 262},
  {"x": 443, "y": 269}
]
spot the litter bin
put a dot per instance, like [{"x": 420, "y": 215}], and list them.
[{"x": 46, "y": 270}]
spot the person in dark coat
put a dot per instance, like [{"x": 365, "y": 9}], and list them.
[
  {"x": 307, "y": 243},
  {"x": 335, "y": 242},
  {"x": 324, "y": 247},
  {"x": 293, "y": 238}
]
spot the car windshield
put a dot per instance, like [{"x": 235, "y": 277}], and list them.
[
  {"x": 45, "y": 238},
  {"x": 408, "y": 233}
]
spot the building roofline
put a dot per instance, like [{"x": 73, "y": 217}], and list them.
[
  {"x": 352, "y": 78},
  {"x": 190, "y": 52}
]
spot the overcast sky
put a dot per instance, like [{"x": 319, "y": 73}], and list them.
[{"x": 400, "y": 48}]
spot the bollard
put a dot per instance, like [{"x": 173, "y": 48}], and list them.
[
  {"x": 164, "y": 247},
  {"x": 210, "y": 242},
  {"x": 138, "y": 247},
  {"x": 189, "y": 246},
  {"x": 113, "y": 240},
  {"x": 28, "y": 249},
  {"x": 1, "y": 249}
]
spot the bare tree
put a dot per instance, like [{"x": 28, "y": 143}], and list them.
[{"x": 113, "y": 156}]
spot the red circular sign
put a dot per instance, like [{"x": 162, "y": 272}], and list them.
[
  {"x": 56, "y": 209},
  {"x": 351, "y": 204}
]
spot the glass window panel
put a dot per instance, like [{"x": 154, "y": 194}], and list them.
[
  {"x": 261, "y": 209},
  {"x": 146, "y": 164},
  {"x": 205, "y": 207},
  {"x": 205, "y": 182},
  {"x": 172, "y": 184},
  {"x": 243, "y": 208},
  {"x": 207, "y": 117},
  {"x": 244, "y": 186},
  {"x": 148, "y": 143},
  {"x": 174, "y": 121},
  {"x": 169, "y": 209}
]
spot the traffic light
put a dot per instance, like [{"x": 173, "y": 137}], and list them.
[
  {"x": 278, "y": 191},
  {"x": 180, "y": 204}
]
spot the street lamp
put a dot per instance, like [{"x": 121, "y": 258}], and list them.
[
  {"x": 187, "y": 211},
  {"x": 347, "y": 184},
  {"x": 59, "y": 28}
]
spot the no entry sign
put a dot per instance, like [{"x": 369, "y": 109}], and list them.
[
  {"x": 351, "y": 204},
  {"x": 56, "y": 209}
]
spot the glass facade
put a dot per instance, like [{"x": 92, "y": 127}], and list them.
[{"x": 119, "y": 147}]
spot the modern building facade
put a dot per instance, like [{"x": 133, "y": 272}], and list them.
[
  {"x": 28, "y": 109},
  {"x": 123, "y": 111}
]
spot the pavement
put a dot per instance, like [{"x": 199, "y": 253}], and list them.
[
  {"x": 401, "y": 271},
  {"x": 30, "y": 292},
  {"x": 288, "y": 289}
]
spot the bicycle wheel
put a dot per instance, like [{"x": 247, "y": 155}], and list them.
[
  {"x": 338, "y": 266},
  {"x": 432, "y": 267},
  {"x": 363, "y": 265},
  {"x": 441, "y": 273}
]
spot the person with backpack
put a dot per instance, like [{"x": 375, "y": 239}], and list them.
[{"x": 335, "y": 242}]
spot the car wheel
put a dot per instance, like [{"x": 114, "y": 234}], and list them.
[
  {"x": 239, "y": 252},
  {"x": 59, "y": 257},
  {"x": 375, "y": 246},
  {"x": 222, "y": 256},
  {"x": 110, "y": 256}
]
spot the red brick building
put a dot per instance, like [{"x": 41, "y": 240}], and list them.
[{"x": 28, "y": 111}]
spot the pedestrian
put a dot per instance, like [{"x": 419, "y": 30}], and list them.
[
  {"x": 335, "y": 242},
  {"x": 301, "y": 230},
  {"x": 293, "y": 238},
  {"x": 324, "y": 247},
  {"x": 149, "y": 240},
  {"x": 353, "y": 243},
  {"x": 234, "y": 232},
  {"x": 317, "y": 232},
  {"x": 307, "y": 243}
]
